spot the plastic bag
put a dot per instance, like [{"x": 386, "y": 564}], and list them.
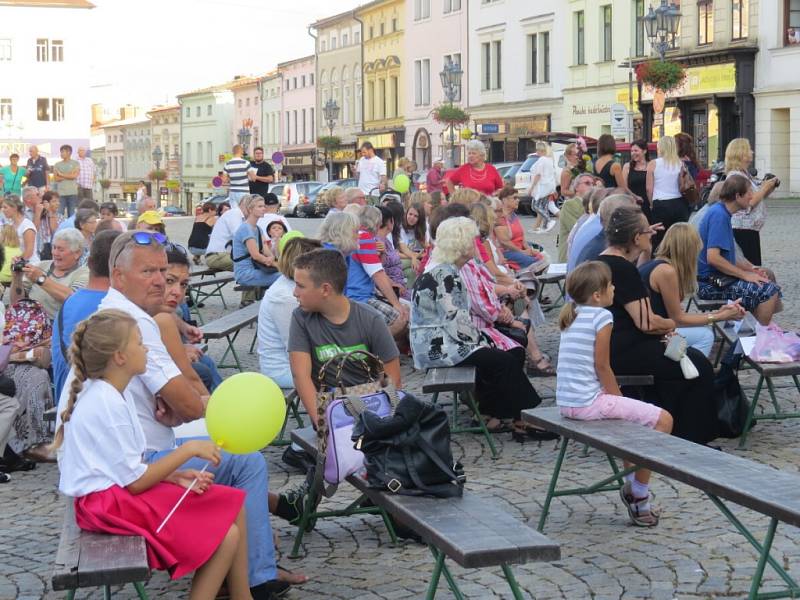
[{"x": 773, "y": 345}]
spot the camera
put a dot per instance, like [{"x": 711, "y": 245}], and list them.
[
  {"x": 18, "y": 265},
  {"x": 772, "y": 176}
]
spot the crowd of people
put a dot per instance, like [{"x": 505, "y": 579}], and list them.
[{"x": 98, "y": 324}]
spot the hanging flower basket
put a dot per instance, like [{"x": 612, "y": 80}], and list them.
[
  {"x": 661, "y": 74},
  {"x": 105, "y": 184},
  {"x": 450, "y": 115},
  {"x": 329, "y": 142},
  {"x": 157, "y": 175}
]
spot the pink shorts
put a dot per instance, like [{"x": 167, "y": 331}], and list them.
[{"x": 608, "y": 406}]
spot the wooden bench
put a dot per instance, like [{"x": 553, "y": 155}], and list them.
[
  {"x": 461, "y": 382},
  {"x": 557, "y": 279},
  {"x": 257, "y": 290},
  {"x": 469, "y": 530},
  {"x": 201, "y": 271},
  {"x": 199, "y": 294},
  {"x": 228, "y": 327},
  {"x": 86, "y": 559},
  {"x": 766, "y": 373},
  {"x": 721, "y": 476}
]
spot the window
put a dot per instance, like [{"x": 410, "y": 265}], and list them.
[
  {"x": 255, "y": 100},
  {"x": 357, "y": 37},
  {"x": 5, "y": 49},
  {"x": 498, "y": 74},
  {"x": 6, "y": 114},
  {"x": 382, "y": 98},
  {"x": 346, "y": 107},
  {"x": 188, "y": 112},
  {"x": 303, "y": 81},
  {"x": 370, "y": 100},
  {"x": 533, "y": 57},
  {"x": 638, "y": 27},
  {"x": 42, "y": 50},
  {"x": 333, "y": 43},
  {"x": 287, "y": 84},
  {"x": 491, "y": 60},
  {"x": 383, "y": 29},
  {"x": 358, "y": 111},
  {"x": 304, "y": 125},
  {"x": 288, "y": 126},
  {"x": 705, "y": 22},
  {"x": 546, "y": 57},
  {"x": 199, "y": 162},
  {"x": 294, "y": 83},
  {"x": 57, "y": 50},
  {"x": 210, "y": 153},
  {"x": 607, "y": 37},
  {"x": 422, "y": 9},
  {"x": 740, "y": 18},
  {"x": 209, "y": 110},
  {"x": 311, "y": 79},
  {"x": 580, "y": 130},
  {"x": 451, "y": 6},
  {"x": 196, "y": 111},
  {"x": 312, "y": 124},
  {"x": 240, "y": 103},
  {"x": 247, "y": 101},
  {"x": 43, "y": 109},
  {"x": 580, "y": 41},
  {"x": 322, "y": 46},
  {"x": 58, "y": 109},
  {"x": 456, "y": 59},
  {"x": 791, "y": 12},
  {"x": 422, "y": 82},
  {"x": 371, "y": 32}
]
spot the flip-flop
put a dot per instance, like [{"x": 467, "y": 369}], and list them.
[{"x": 291, "y": 574}]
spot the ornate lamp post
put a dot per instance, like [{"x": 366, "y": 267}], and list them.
[
  {"x": 451, "y": 85},
  {"x": 245, "y": 134},
  {"x": 331, "y": 113},
  {"x": 102, "y": 164},
  {"x": 661, "y": 25},
  {"x": 157, "y": 156}
]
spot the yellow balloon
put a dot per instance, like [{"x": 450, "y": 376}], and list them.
[{"x": 245, "y": 413}]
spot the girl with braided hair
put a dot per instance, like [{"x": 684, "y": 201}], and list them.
[{"x": 115, "y": 492}]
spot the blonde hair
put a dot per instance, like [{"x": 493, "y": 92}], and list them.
[
  {"x": 737, "y": 155},
  {"x": 483, "y": 217},
  {"x": 680, "y": 247},
  {"x": 291, "y": 250},
  {"x": 586, "y": 279},
  {"x": 248, "y": 202},
  {"x": 668, "y": 150},
  {"x": 9, "y": 237},
  {"x": 418, "y": 198},
  {"x": 455, "y": 239},
  {"x": 331, "y": 194},
  {"x": 465, "y": 196},
  {"x": 543, "y": 148},
  {"x": 94, "y": 341}
]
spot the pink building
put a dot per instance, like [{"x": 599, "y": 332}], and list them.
[
  {"x": 299, "y": 99},
  {"x": 436, "y": 33},
  {"x": 246, "y": 125}
]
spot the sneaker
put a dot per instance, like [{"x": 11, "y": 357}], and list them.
[
  {"x": 552, "y": 223},
  {"x": 536, "y": 230},
  {"x": 641, "y": 513},
  {"x": 270, "y": 590},
  {"x": 297, "y": 459}
]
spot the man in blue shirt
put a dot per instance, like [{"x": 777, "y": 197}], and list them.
[{"x": 721, "y": 274}]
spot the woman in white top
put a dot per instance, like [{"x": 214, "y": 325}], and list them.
[
  {"x": 13, "y": 211},
  {"x": 543, "y": 185},
  {"x": 663, "y": 188},
  {"x": 747, "y": 224},
  {"x": 275, "y": 313}
]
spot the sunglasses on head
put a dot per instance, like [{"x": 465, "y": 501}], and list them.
[
  {"x": 169, "y": 247},
  {"x": 142, "y": 238}
]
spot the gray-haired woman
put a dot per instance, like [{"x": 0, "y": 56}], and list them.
[{"x": 476, "y": 173}]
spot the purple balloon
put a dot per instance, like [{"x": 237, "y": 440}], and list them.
[{"x": 277, "y": 157}]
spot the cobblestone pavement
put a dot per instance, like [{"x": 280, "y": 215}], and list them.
[{"x": 693, "y": 553}]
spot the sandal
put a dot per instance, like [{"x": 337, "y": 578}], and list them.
[
  {"x": 639, "y": 516},
  {"x": 522, "y": 434},
  {"x": 290, "y": 577},
  {"x": 535, "y": 368},
  {"x": 493, "y": 424}
]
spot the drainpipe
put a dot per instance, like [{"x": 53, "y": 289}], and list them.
[
  {"x": 363, "y": 82},
  {"x": 316, "y": 101}
]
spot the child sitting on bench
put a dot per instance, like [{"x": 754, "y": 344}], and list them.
[{"x": 586, "y": 388}]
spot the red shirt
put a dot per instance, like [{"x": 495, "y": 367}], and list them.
[{"x": 486, "y": 181}]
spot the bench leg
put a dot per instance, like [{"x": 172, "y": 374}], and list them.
[
  {"x": 389, "y": 527},
  {"x": 292, "y": 401},
  {"x": 512, "y": 582},
  {"x": 221, "y": 364},
  {"x": 140, "y": 590},
  {"x": 748, "y": 422},
  {"x": 106, "y": 592},
  {"x": 439, "y": 569},
  {"x": 253, "y": 342},
  {"x": 481, "y": 428},
  {"x": 70, "y": 594},
  {"x": 552, "y": 487}
]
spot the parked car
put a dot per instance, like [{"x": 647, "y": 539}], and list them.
[
  {"x": 318, "y": 207},
  {"x": 173, "y": 211},
  {"x": 216, "y": 200},
  {"x": 294, "y": 194},
  {"x": 508, "y": 170}
]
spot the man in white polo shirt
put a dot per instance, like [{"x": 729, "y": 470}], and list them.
[{"x": 164, "y": 397}]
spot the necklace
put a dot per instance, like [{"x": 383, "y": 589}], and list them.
[{"x": 473, "y": 172}]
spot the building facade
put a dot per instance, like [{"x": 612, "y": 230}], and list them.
[
  {"x": 206, "y": 121},
  {"x": 138, "y": 158},
  {"x": 436, "y": 34},
  {"x": 115, "y": 159},
  {"x": 271, "y": 113},
  {"x": 299, "y": 118},
  {"x": 338, "y": 50},
  {"x": 44, "y": 51},
  {"x": 382, "y": 28},
  {"x": 246, "y": 124},
  {"x": 165, "y": 127},
  {"x": 777, "y": 94}
]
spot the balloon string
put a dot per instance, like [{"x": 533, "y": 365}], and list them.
[{"x": 178, "y": 503}]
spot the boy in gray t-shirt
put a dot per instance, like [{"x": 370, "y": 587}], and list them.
[{"x": 327, "y": 323}]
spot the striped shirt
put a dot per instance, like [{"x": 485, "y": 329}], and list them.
[
  {"x": 236, "y": 168},
  {"x": 576, "y": 378}
]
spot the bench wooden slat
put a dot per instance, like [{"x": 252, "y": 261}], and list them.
[
  {"x": 634, "y": 380},
  {"x": 220, "y": 278},
  {"x": 230, "y": 322},
  {"x": 469, "y": 530},
  {"x": 449, "y": 379},
  {"x": 752, "y": 485}
]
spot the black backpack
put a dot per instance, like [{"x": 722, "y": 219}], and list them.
[{"x": 409, "y": 451}]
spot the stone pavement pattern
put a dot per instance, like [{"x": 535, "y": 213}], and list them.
[{"x": 693, "y": 553}]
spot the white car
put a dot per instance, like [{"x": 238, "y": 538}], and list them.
[{"x": 293, "y": 194}]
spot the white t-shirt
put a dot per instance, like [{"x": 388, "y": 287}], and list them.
[
  {"x": 223, "y": 230},
  {"x": 546, "y": 170},
  {"x": 268, "y": 218},
  {"x": 274, "y": 319},
  {"x": 24, "y": 226},
  {"x": 370, "y": 171},
  {"x": 577, "y": 383},
  {"x": 142, "y": 388},
  {"x": 665, "y": 180},
  {"x": 103, "y": 442}
]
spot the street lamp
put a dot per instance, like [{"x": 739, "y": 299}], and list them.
[
  {"x": 102, "y": 164},
  {"x": 661, "y": 25},
  {"x": 451, "y": 85},
  {"x": 157, "y": 156},
  {"x": 245, "y": 134},
  {"x": 331, "y": 113}
]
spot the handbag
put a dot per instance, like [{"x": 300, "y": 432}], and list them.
[
  {"x": 409, "y": 452},
  {"x": 688, "y": 187},
  {"x": 337, "y": 407},
  {"x": 732, "y": 406}
]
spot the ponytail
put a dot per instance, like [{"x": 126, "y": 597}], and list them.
[
  {"x": 567, "y": 315},
  {"x": 76, "y": 386}
]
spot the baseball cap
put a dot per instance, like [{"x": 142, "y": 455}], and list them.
[
  {"x": 289, "y": 235},
  {"x": 271, "y": 199},
  {"x": 151, "y": 217}
]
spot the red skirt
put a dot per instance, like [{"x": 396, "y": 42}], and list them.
[{"x": 189, "y": 538}]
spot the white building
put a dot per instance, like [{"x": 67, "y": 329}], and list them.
[
  {"x": 115, "y": 160},
  {"x": 206, "y": 121},
  {"x": 138, "y": 160},
  {"x": 271, "y": 110},
  {"x": 165, "y": 127},
  {"x": 246, "y": 122},
  {"x": 777, "y": 94},
  {"x": 43, "y": 67},
  {"x": 517, "y": 65}
]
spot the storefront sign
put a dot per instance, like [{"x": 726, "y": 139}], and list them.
[
  {"x": 130, "y": 188},
  {"x": 173, "y": 184},
  {"x": 619, "y": 120},
  {"x": 599, "y": 108},
  {"x": 379, "y": 140},
  {"x": 702, "y": 81},
  {"x": 343, "y": 155},
  {"x": 529, "y": 126},
  {"x": 488, "y": 128},
  {"x": 622, "y": 95},
  {"x": 298, "y": 161}
]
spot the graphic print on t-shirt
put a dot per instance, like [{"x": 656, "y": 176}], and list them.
[{"x": 328, "y": 351}]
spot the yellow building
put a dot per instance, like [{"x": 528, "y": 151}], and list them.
[{"x": 382, "y": 39}]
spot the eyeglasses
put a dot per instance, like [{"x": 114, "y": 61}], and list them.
[
  {"x": 646, "y": 232},
  {"x": 141, "y": 238}
]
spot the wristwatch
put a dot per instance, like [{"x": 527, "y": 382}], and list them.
[{"x": 41, "y": 279}]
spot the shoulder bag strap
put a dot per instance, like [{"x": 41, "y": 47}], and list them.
[{"x": 60, "y": 319}]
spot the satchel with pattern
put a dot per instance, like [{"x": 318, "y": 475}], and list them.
[{"x": 688, "y": 187}]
